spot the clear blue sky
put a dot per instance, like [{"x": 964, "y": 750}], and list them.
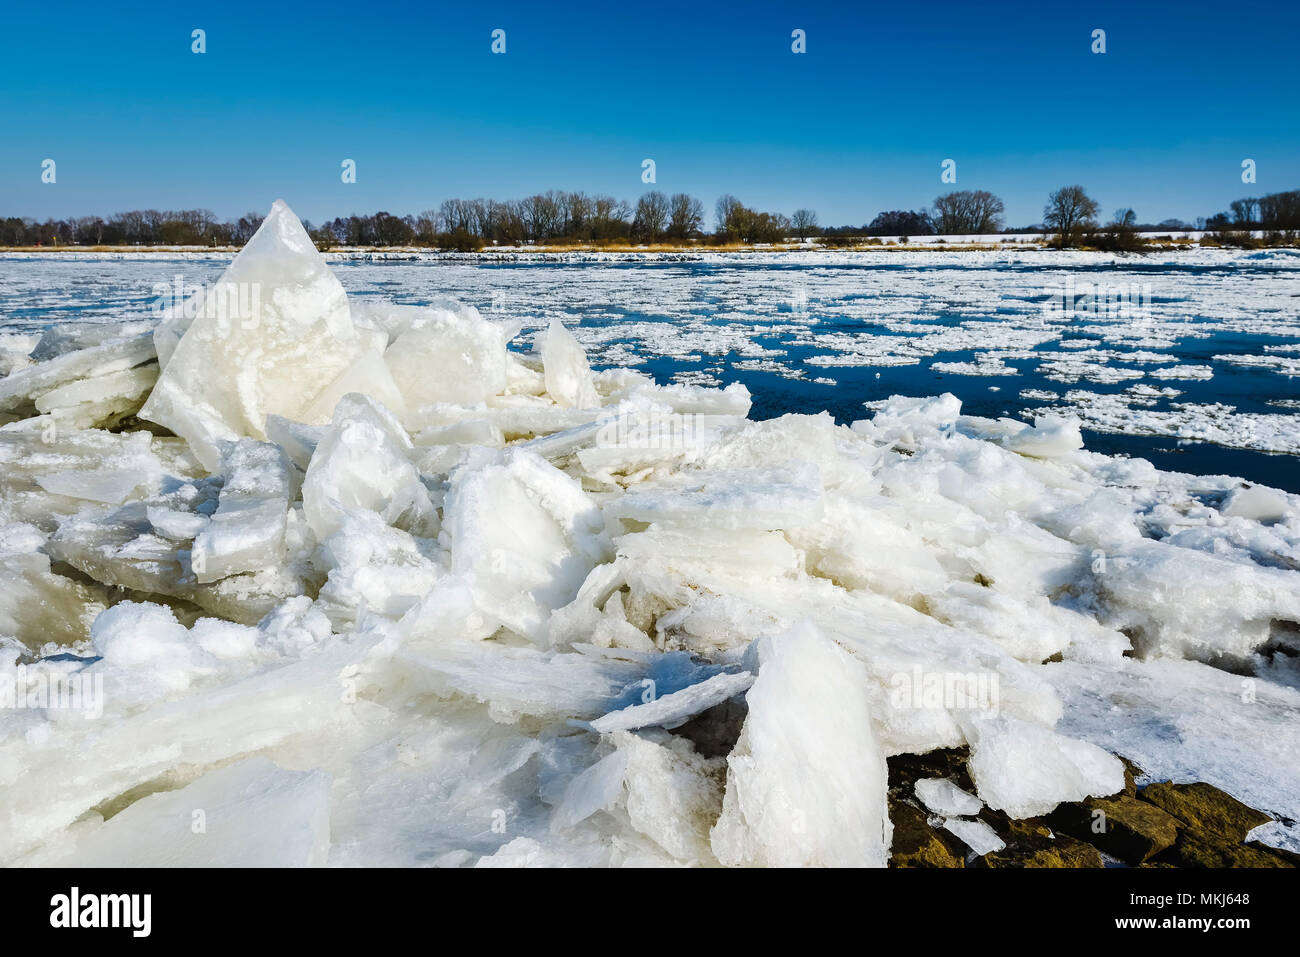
[{"x": 586, "y": 91}]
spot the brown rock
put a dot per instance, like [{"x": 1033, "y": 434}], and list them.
[
  {"x": 1290, "y": 857},
  {"x": 906, "y": 769},
  {"x": 1124, "y": 827},
  {"x": 1206, "y": 808},
  {"x": 1031, "y": 827},
  {"x": 1198, "y": 848},
  {"x": 1031, "y": 849},
  {"x": 1131, "y": 773},
  {"x": 917, "y": 844}
]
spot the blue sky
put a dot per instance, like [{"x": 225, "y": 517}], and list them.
[{"x": 586, "y": 91}]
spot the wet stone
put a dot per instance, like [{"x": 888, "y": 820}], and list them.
[
  {"x": 1206, "y": 808},
  {"x": 917, "y": 844},
  {"x": 1124, "y": 827}
]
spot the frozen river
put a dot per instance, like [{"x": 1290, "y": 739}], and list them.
[{"x": 1190, "y": 359}]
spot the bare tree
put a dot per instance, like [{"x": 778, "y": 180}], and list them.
[
  {"x": 804, "y": 223},
  {"x": 685, "y": 217},
  {"x": 609, "y": 218},
  {"x": 967, "y": 212},
  {"x": 89, "y": 229},
  {"x": 542, "y": 216},
  {"x": 1068, "y": 212},
  {"x": 1245, "y": 212},
  {"x": 651, "y": 215},
  {"x": 508, "y": 223},
  {"x": 724, "y": 214},
  {"x": 1280, "y": 210}
]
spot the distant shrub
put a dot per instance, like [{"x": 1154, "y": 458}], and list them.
[
  {"x": 1117, "y": 238},
  {"x": 1241, "y": 238},
  {"x": 461, "y": 241}
]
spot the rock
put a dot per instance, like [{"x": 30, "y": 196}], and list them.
[
  {"x": 1131, "y": 773},
  {"x": 917, "y": 844},
  {"x": 1031, "y": 829},
  {"x": 1200, "y": 848},
  {"x": 906, "y": 769},
  {"x": 1291, "y": 857},
  {"x": 1031, "y": 848},
  {"x": 1132, "y": 830},
  {"x": 1205, "y": 807}
]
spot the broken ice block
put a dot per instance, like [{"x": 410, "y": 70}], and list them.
[
  {"x": 374, "y": 569},
  {"x": 273, "y": 336},
  {"x": 361, "y": 462},
  {"x": 740, "y": 499},
  {"x": 976, "y": 835},
  {"x": 670, "y": 710},
  {"x": 1026, "y": 770},
  {"x": 595, "y": 789},
  {"x": 26, "y": 385},
  {"x": 806, "y": 783},
  {"x": 449, "y": 356},
  {"x": 941, "y": 796},
  {"x": 674, "y": 795},
  {"x": 568, "y": 376},
  {"x": 526, "y": 534},
  {"x": 36, "y": 604},
  {"x": 254, "y": 814},
  {"x": 246, "y": 532},
  {"x": 123, "y": 548}
]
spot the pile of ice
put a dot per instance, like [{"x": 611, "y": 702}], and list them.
[{"x": 299, "y": 580}]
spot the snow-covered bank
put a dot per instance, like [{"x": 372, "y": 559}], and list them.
[{"x": 413, "y": 596}]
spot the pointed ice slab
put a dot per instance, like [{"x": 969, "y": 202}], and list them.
[
  {"x": 568, "y": 376},
  {"x": 807, "y": 781},
  {"x": 272, "y": 335}
]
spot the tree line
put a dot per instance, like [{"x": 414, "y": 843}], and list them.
[
  {"x": 559, "y": 217},
  {"x": 147, "y": 227}
]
